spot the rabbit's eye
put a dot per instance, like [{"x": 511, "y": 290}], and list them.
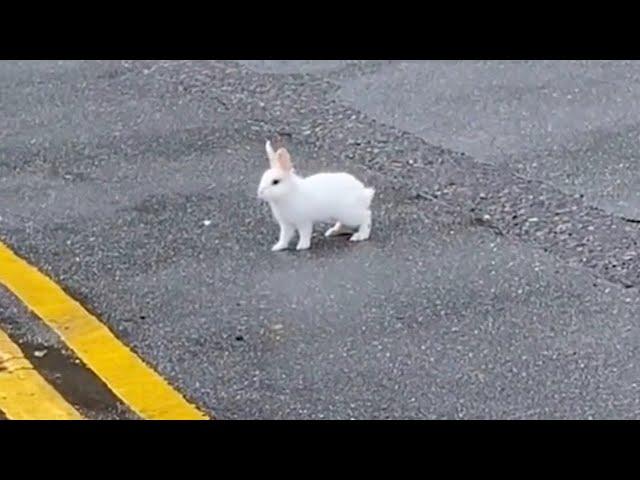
[{"x": 275, "y": 182}]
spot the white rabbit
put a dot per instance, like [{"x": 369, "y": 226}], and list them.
[{"x": 298, "y": 202}]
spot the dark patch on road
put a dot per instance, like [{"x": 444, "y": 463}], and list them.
[
  {"x": 75, "y": 382},
  {"x": 57, "y": 364}
]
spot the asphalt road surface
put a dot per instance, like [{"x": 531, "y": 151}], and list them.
[{"x": 501, "y": 277}]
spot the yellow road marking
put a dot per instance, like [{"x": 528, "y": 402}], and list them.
[
  {"x": 24, "y": 394},
  {"x": 135, "y": 383}
]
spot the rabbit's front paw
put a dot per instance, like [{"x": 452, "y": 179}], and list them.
[
  {"x": 279, "y": 246},
  {"x": 303, "y": 246}
]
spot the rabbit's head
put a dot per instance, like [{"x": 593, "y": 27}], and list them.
[{"x": 276, "y": 182}]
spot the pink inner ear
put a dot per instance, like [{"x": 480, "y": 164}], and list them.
[{"x": 283, "y": 159}]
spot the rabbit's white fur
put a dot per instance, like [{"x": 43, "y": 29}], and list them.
[{"x": 297, "y": 202}]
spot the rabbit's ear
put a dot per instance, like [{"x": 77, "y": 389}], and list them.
[
  {"x": 273, "y": 160},
  {"x": 283, "y": 160}
]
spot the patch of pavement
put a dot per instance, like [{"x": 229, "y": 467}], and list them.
[{"x": 571, "y": 124}]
